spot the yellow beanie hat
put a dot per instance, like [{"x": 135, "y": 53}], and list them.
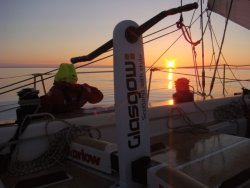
[{"x": 66, "y": 73}]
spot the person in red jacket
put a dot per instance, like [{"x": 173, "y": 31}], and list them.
[{"x": 66, "y": 95}]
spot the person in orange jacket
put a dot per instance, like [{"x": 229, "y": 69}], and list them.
[{"x": 66, "y": 95}]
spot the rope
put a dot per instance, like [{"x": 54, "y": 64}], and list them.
[
  {"x": 190, "y": 126},
  {"x": 44, "y": 78},
  {"x": 59, "y": 144},
  {"x": 188, "y": 38},
  {"x": 11, "y": 77},
  {"x": 186, "y": 34},
  {"x": 8, "y": 109},
  {"x": 186, "y": 74},
  {"x": 161, "y": 36},
  {"x": 223, "y": 57},
  {"x": 163, "y": 53},
  {"x": 212, "y": 43},
  {"x": 222, "y": 42},
  {"x": 159, "y": 31},
  {"x": 229, "y": 112}
]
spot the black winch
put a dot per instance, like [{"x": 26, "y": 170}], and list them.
[
  {"x": 28, "y": 103},
  {"x": 182, "y": 94}
]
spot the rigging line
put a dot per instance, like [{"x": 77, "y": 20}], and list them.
[
  {"x": 190, "y": 23},
  {"x": 209, "y": 66},
  {"x": 17, "y": 83},
  {"x": 209, "y": 24},
  {"x": 222, "y": 42},
  {"x": 189, "y": 39},
  {"x": 223, "y": 57},
  {"x": 237, "y": 80},
  {"x": 239, "y": 65},
  {"x": 196, "y": 18},
  {"x": 160, "y": 36},
  {"x": 10, "y": 77},
  {"x": 197, "y": 78},
  {"x": 194, "y": 54},
  {"x": 209, "y": 15},
  {"x": 213, "y": 54},
  {"x": 194, "y": 59},
  {"x": 186, "y": 33},
  {"x": 46, "y": 73},
  {"x": 212, "y": 43},
  {"x": 94, "y": 61},
  {"x": 235, "y": 76},
  {"x": 93, "y": 72},
  {"x": 5, "y": 110},
  {"x": 3, "y": 105},
  {"x": 19, "y": 87},
  {"x": 202, "y": 49},
  {"x": 143, "y": 43},
  {"x": 164, "y": 53},
  {"x": 159, "y": 31},
  {"x": 218, "y": 45},
  {"x": 47, "y": 77},
  {"x": 191, "y": 67},
  {"x": 84, "y": 64},
  {"x": 193, "y": 75}
]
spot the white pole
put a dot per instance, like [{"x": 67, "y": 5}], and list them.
[{"x": 130, "y": 102}]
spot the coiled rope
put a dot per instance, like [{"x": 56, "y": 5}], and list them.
[{"x": 59, "y": 145}]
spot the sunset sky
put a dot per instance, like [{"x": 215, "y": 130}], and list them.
[{"x": 50, "y": 32}]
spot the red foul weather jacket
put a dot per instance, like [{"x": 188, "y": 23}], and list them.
[{"x": 66, "y": 97}]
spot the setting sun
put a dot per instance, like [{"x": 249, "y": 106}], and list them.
[{"x": 170, "y": 64}]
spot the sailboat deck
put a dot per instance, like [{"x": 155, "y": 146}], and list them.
[{"x": 210, "y": 158}]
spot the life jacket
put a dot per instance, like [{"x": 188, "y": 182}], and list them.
[{"x": 66, "y": 97}]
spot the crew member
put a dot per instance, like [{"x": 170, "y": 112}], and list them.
[{"x": 66, "y": 95}]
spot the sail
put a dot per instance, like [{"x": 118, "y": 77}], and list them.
[{"x": 240, "y": 11}]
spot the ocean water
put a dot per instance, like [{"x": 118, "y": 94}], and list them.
[{"x": 162, "y": 84}]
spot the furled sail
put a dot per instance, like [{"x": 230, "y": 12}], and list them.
[{"x": 240, "y": 11}]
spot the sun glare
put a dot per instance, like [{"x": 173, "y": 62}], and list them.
[{"x": 170, "y": 64}]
